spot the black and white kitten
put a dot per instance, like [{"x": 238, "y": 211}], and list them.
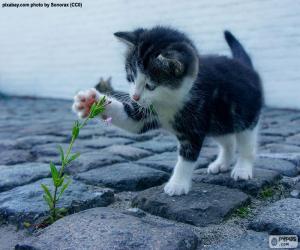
[{"x": 193, "y": 96}]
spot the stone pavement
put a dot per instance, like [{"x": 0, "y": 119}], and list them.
[{"x": 116, "y": 198}]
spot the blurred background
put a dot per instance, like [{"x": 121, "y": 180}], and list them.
[{"x": 57, "y": 51}]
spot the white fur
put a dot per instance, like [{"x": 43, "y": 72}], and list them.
[
  {"x": 246, "y": 143},
  {"x": 166, "y": 101},
  {"x": 181, "y": 180},
  {"x": 227, "y": 145}
]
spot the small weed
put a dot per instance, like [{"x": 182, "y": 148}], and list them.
[
  {"x": 243, "y": 212},
  {"x": 60, "y": 180},
  {"x": 266, "y": 193}
]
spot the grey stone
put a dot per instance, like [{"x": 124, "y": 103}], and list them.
[
  {"x": 47, "y": 159},
  {"x": 135, "y": 137},
  {"x": 51, "y": 149},
  {"x": 291, "y": 157},
  {"x": 28, "y": 142},
  {"x": 102, "y": 142},
  {"x": 262, "y": 178},
  {"x": 20, "y": 174},
  {"x": 91, "y": 160},
  {"x": 281, "y": 130},
  {"x": 7, "y": 144},
  {"x": 280, "y": 148},
  {"x": 26, "y": 203},
  {"x": 127, "y": 152},
  {"x": 294, "y": 140},
  {"x": 124, "y": 176},
  {"x": 105, "y": 228},
  {"x": 209, "y": 152},
  {"x": 266, "y": 139},
  {"x": 205, "y": 204},
  {"x": 293, "y": 184},
  {"x": 281, "y": 217},
  {"x": 282, "y": 166},
  {"x": 248, "y": 241},
  {"x": 14, "y": 156},
  {"x": 167, "y": 161},
  {"x": 157, "y": 146},
  {"x": 295, "y": 193}
]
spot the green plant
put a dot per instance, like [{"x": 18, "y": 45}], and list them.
[
  {"x": 266, "y": 193},
  {"x": 243, "y": 212},
  {"x": 59, "y": 178}
]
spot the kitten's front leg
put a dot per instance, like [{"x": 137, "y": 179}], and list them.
[
  {"x": 181, "y": 179},
  {"x": 115, "y": 109}
]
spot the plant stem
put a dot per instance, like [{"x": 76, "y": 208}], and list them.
[
  {"x": 66, "y": 160},
  {"x": 63, "y": 165}
]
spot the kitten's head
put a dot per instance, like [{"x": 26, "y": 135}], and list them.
[
  {"x": 160, "y": 63},
  {"x": 104, "y": 86}
]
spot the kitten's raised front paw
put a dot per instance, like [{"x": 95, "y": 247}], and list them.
[
  {"x": 242, "y": 172},
  {"x": 177, "y": 188},
  {"x": 83, "y": 102},
  {"x": 217, "y": 166}
]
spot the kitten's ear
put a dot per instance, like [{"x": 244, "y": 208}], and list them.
[
  {"x": 109, "y": 80},
  {"x": 129, "y": 38},
  {"x": 172, "y": 63}
]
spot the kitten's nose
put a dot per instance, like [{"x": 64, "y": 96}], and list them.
[{"x": 136, "y": 97}]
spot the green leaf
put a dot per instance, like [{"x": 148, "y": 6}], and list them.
[
  {"x": 47, "y": 199},
  {"x": 102, "y": 101},
  {"x": 59, "y": 182},
  {"x": 47, "y": 192},
  {"x": 54, "y": 172},
  {"x": 75, "y": 130},
  {"x": 97, "y": 108},
  {"x": 64, "y": 187},
  {"x": 62, "y": 155},
  {"x": 62, "y": 210},
  {"x": 73, "y": 157}
]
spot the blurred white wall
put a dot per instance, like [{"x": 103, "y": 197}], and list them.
[{"x": 56, "y": 52}]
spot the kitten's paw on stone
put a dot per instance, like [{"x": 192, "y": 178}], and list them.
[
  {"x": 177, "y": 188},
  {"x": 83, "y": 102},
  {"x": 217, "y": 166},
  {"x": 241, "y": 172}
]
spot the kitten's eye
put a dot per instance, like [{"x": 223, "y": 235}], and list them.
[
  {"x": 130, "y": 78},
  {"x": 150, "y": 87}
]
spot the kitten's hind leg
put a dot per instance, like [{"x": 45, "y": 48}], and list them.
[
  {"x": 246, "y": 143},
  {"x": 225, "y": 158}
]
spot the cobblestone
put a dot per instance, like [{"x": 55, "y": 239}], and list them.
[{"x": 121, "y": 170}]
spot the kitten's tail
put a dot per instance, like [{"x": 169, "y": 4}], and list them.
[{"x": 238, "y": 51}]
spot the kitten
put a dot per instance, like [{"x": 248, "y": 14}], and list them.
[
  {"x": 193, "y": 96},
  {"x": 104, "y": 86}
]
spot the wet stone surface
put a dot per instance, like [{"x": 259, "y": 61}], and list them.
[
  {"x": 282, "y": 217},
  {"x": 124, "y": 177},
  {"x": 20, "y": 174},
  {"x": 248, "y": 241},
  {"x": 262, "y": 178},
  {"x": 105, "y": 228},
  {"x": 26, "y": 203},
  {"x": 123, "y": 170},
  {"x": 204, "y": 205},
  {"x": 282, "y": 166}
]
